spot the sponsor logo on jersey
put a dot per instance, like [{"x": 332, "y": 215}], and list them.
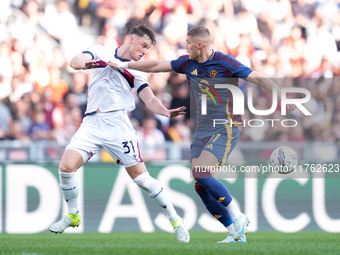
[
  {"x": 206, "y": 89},
  {"x": 194, "y": 72}
]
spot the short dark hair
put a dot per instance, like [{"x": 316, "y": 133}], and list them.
[
  {"x": 198, "y": 31},
  {"x": 142, "y": 30}
]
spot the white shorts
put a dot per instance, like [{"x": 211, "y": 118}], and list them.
[{"x": 111, "y": 131}]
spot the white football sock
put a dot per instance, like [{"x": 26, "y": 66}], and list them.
[
  {"x": 156, "y": 192},
  {"x": 234, "y": 210},
  {"x": 70, "y": 190},
  {"x": 231, "y": 229}
]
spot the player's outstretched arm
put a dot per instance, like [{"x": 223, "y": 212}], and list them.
[
  {"x": 264, "y": 82},
  {"x": 83, "y": 61},
  {"x": 155, "y": 105},
  {"x": 268, "y": 84},
  {"x": 149, "y": 66}
]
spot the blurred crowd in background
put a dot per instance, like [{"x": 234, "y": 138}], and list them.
[{"x": 42, "y": 98}]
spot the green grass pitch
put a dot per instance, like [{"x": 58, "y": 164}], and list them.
[{"x": 161, "y": 243}]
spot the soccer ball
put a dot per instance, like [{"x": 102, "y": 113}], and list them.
[{"x": 284, "y": 160}]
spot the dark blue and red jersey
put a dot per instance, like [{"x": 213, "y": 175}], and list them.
[{"x": 202, "y": 77}]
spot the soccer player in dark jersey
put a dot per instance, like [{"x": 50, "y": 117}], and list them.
[{"x": 211, "y": 146}]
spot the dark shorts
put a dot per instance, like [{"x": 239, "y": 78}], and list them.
[{"x": 219, "y": 142}]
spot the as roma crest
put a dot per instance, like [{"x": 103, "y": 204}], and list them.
[{"x": 213, "y": 73}]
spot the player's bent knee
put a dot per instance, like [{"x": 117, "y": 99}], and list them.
[
  {"x": 71, "y": 161},
  {"x": 200, "y": 172},
  {"x": 66, "y": 168},
  {"x": 136, "y": 170},
  {"x": 69, "y": 166}
]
